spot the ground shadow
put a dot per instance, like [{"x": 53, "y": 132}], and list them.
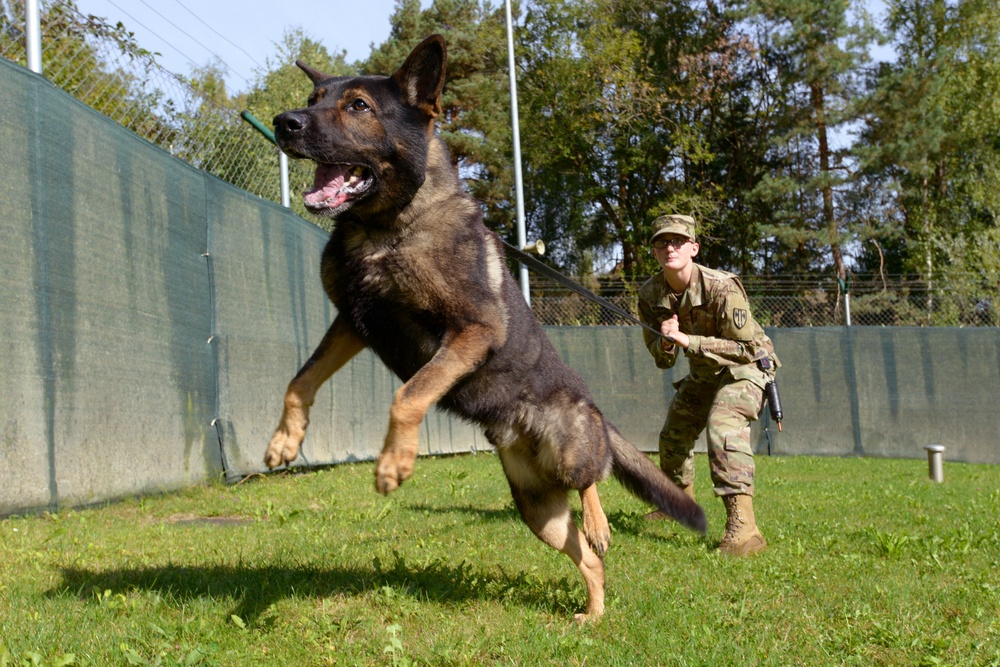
[
  {"x": 624, "y": 522},
  {"x": 257, "y": 588},
  {"x": 506, "y": 514}
]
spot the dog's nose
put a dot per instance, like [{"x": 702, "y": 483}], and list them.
[{"x": 290, "y": 122}]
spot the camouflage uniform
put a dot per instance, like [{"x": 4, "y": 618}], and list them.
[{"x": 724, "y": 389}]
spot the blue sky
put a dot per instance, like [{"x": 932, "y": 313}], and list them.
[{"x": 243, "y": 33}]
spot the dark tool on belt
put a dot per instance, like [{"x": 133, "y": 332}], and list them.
[{"x": 771, "y": 391}]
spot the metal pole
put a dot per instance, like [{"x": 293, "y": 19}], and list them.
[
  {"x": 33, "y": 35},
  {"x": 935, "y": 462},
  {"x": 282, "y": 158},
  {"x": 845, "y": 286},
  {"x": 522, "y": 239},
  {"x": 283, "y": 168}
]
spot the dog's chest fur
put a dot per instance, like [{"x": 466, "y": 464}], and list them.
[{"x": 402, "y": 291}]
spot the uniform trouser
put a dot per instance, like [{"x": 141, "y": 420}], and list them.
[{"x": 725, "y": 407}]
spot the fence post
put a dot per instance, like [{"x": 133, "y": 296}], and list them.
[
  {"x": 282, "y": 158},
  {"x": 33, "y": 35},
  {"x": 522, "y": 237},
  {"x": 845, "y": 285},
  {"x": 283, "y": 169}
]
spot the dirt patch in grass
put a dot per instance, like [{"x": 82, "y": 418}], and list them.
[{"x": 184, "y": 519}]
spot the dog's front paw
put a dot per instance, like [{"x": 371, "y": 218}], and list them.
[
  {"x": 284, "y": 448},
  {"x": 391, "y": 471}
]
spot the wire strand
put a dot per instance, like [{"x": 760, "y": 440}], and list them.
[
  {"x": 219, "y": 34},
  {"x": 195, "y": 40},
  {"x": 153, "y": 32}
]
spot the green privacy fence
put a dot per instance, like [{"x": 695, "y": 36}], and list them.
[
  {"x": 858, "y": 391},
  {"x": 151, "y": 316}
]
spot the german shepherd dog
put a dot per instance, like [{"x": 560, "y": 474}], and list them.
[{"x": 417, "y": 277}]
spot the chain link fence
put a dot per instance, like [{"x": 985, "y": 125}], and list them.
[
  {"x": 103, "y": 66},
  {"x": 798, "y": 301}
]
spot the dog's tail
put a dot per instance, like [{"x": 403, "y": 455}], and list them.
[{"x": 639, "y": 474}]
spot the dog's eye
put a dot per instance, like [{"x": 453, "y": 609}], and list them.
[{"x": 359, "y": 105}]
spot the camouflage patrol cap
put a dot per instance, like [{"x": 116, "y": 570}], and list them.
[{"x": 682, "y": 225}]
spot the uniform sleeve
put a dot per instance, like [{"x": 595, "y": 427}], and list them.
[
  {"x": 663, "y": 358},
  {"x": 723, "y": 351},
  {"x": 735, "y": 320},
  {"x": 734, "y": 346}
]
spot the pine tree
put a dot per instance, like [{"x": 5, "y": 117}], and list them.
[{"x": 815, "y": 51}]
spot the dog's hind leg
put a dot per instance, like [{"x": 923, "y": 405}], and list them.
[
  {"x": 458, "y": 355},
  {"x": 595, "y": 522},
  {"x": 338, "y": 346},
  {"x": 589, "y": 464},
  {"x": 545, "y": 509}
]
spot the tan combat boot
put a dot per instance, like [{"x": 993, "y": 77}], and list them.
[
  {"x": 742, "y": 537},
  {"x": 659, "y": 515}
]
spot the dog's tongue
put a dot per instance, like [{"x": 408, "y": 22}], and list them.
[{"x": 329, "y": 180}]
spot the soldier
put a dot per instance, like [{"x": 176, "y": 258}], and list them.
[{"x": 707, "y": 315}]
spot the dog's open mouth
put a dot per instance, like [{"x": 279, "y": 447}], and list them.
[{"x": 336, "y": 185}]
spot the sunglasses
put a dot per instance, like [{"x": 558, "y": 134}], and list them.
[{"x": 676, "y": 242}]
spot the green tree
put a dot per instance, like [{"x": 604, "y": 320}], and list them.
[
  {"x": 815, "y": 51},
  {"x": 628, "y": 110},
  {"x": 210, "y": 134},
  {"x": 731, "y": 98},
  {"x": 931, "y": 141},
  {"x": 622, "y": 99},
  {"x": 474, "y": 122}
]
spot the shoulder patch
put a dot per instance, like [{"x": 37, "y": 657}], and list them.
[
  {"x": 737, "y": 322},
  {"x": 740, "y": 317}
]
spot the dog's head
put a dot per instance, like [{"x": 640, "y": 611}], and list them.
[{"x": 368, "y": 134}]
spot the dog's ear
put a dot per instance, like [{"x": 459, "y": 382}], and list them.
[
  {"x": 421, "y": 77},
  {"x": 314, "y": 74}
]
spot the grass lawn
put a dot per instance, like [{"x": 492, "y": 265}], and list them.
[{"x": 869, "y": 563}]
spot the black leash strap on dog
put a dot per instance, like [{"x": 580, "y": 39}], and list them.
[{"x": 548, "y": 271}]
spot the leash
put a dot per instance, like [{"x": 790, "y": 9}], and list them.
[{"x": 548, "y": 271}]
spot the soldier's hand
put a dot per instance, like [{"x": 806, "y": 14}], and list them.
[{"x": 671, "y": 328}]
